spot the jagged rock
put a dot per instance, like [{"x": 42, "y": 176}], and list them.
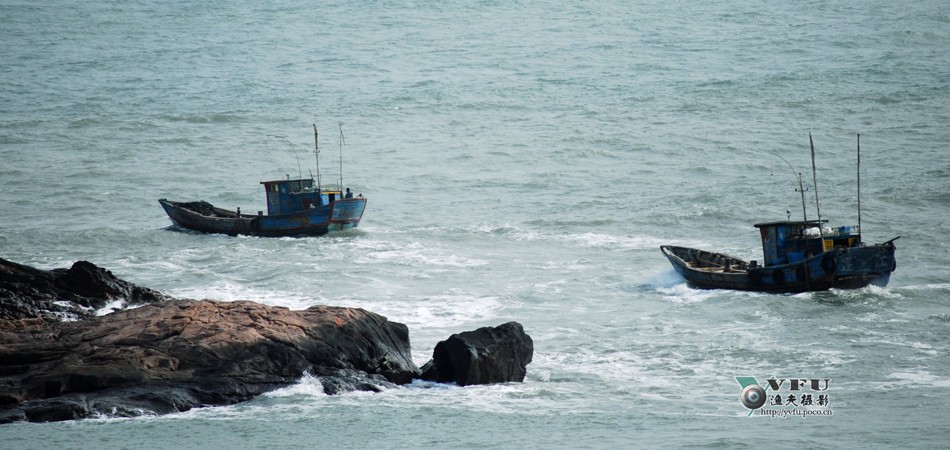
[
  {"x": 484, "y": 356},
  {"x": 343, "y": 381},
  {"x": 74, "y": 293},
  {"x": 174, "y": 355}
]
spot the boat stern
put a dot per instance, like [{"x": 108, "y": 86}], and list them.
[
  {"x": 857, "y": 267},
  {"x": 346, "y": 213}
]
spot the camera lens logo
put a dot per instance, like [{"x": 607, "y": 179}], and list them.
[{"x": 752, "y": 396}]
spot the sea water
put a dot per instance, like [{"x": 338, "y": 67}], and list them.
[{"x": 522, "y": 161}]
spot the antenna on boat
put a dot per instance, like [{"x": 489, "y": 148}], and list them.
[
  {"x": 859, "y": 183},
  {"x": 299, "y": 170},
  {"x": 316, "y": 152},
  {"x": 801, "y": 186},
  {"x": 814, "y": 178},
  {"x": 294, "y": 148},
  {"x": 342, "y": 142}
]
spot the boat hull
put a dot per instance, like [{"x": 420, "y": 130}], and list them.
[
  {"x": 201, "y": 216},
  {"x": 839, "y": 268}
]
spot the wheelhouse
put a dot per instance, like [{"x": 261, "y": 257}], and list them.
[
  {"x": 290, "y": 196},
  {"x": 793, "y": 241}
]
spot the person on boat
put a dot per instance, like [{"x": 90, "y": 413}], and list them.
[{"x": 349, "y": 194}]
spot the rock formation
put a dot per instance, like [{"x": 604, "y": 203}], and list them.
[
  {"x": 175, "y": 355},
  {"x": 484, "y": 356},
  {"x": 58, "y": 294},
  {"x": 172, "y": 355}
]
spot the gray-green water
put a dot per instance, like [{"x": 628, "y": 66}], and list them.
[{"x": 523, "y": 161}]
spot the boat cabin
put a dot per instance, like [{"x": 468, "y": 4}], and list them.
[
  {"x": 290, "y": 196},
  {"x": 793, "y": 241}
]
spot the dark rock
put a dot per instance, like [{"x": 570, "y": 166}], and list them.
[
  {"x": 484, "y": 356},
  {"x": 175, "y": 355},
  {"x": 342, "y": 381},
  {"x": 74, "y": 293}
]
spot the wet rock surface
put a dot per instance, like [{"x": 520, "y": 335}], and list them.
[
  {"x": 483, "y": 356},
  {"x": 176, "y": 355},
  {"x": 172, "y": 355},
  {"x": 73, "y": 293}
]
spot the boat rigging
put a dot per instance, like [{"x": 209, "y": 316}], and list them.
[
  {"x": 798, "y": 256},
  {"x": 294, "y": 208}
]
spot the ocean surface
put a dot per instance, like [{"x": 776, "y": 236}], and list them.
[{"x": 523, "y": 160}]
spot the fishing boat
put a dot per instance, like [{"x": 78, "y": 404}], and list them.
[
  {"x": 798, "y": 256},
  {"x": 295, "y": 207}
]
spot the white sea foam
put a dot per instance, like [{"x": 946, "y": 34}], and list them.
[
  {"x": 231, "y": 291},
  {"x": 308, "y": 387},
  {"x": 111, "y": 307},
  {"x": 414, "y": 254},
  {"x": 617, "y": 243},
  {"x": 921, "y": 377},
  {"x": 682, "y": 293},
  {"x": 448, "y": 310}
]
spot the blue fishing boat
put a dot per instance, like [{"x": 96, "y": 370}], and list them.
[
  {"x": 295, "y": 207},
  {"x": 798, "y": 256}
]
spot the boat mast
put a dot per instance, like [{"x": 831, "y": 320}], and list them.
[
  {"x": 316, "y": 151},
  {"x": 342, "y": 141},
  {"x": 859, "y": 183},
  {"x": 814, "y": 178},
  {"x": 801, "y": 188}
]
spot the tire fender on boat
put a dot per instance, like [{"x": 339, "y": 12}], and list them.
[
  {"x": 828, "y": 264},
  {"x": 778, "y": 277},
  {"x": 755, "y": 276}
]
